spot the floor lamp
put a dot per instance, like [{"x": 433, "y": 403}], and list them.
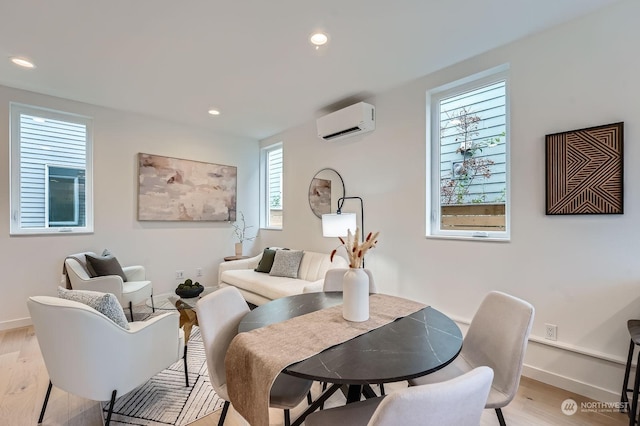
[{"x": 338, "y": 224}]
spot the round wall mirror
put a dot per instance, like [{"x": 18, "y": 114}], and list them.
[{"x": 324, "y": 190}]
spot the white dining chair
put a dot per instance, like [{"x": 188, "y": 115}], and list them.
[
  {"x": 219, "y": 314},
  {"x": 456, "y": 402},
  {"x": 497, "y": 337},
  {"x": 333, "y": 280}
]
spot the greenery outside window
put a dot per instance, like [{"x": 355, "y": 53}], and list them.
[
  {"x": 468, "y": 147},
  {"x": 271, "y": 165},
  {"x": 51, "y": 171}
]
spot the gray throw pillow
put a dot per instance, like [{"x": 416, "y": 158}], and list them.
[
  {"x": 103, "y": 266},
  {"x": 286, "y": 263},
  {"x": 105, "y": 303}
]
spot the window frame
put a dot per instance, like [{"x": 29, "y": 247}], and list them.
[
  {"x": 433, "y": 154},
  {"x": 47, "y": 190},
  {"x": 15, "y": 218},
  {"x": 265, "y": 199}
]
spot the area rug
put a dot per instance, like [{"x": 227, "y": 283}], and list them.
[{"x": 165, "y": 400}]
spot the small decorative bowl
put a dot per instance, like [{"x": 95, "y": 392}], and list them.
[{"x": 189, "y": 292}]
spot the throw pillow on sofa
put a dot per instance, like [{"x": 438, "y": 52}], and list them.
[
  {"x": 105, "y": 303},
  {"x": 266, "y": 262},
  {"x": 103, "y": 266},
  {"x": 286, "y": 263}
]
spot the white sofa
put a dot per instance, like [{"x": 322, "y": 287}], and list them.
[{"x": 260, "y": 287}]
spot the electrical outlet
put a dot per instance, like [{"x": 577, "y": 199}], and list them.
[
  {"x": 198, "y": 272},
  {"x": 179, "y": 275},
  {"x": 551, "y": 331}
]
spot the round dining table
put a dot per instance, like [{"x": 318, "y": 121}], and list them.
[{"x": 409, "y": 347}]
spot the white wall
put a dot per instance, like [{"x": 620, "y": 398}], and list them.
[
  {"x": 580, "y": 272},
  {"x": 32, "y": 265}
]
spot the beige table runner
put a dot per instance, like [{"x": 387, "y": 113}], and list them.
[{"x": 255, "y": 358}]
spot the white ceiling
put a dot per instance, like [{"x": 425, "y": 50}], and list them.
[{"x": 251, "y": 58}]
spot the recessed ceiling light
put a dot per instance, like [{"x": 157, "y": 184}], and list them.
[
  {"x": 318, "y": 39},
  {"x": 214, "y": 112},
  {"x": 23, "y": 62}
]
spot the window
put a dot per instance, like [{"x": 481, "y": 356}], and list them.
[
  {"x": 50, "y": 171},
  {"x": 468, "y": 145},
  {"x": 271, "y": 193}
]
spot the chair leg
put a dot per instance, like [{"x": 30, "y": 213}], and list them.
[
  {"x": 624, "y": 397},
  {"x": 309, "y": 400},
  {"x": 186, "y": 373},
  {"x": 287, "y": 418},
  {"x": 111, "y": 404},
  {"x": 131, "y": 310},
  {"x": 153, "y": 307},
  {"x": 500, "y": 417},
  {"x": 225, "y": 408},
  {"x": 44, "y": 404},
  {"x": 324, "y": 388},
  {"x": 634, "y": 395},
  {"x": 382, "y": 389}
]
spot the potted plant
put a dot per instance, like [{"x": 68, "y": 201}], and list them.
[
  {"x": 240, "y": 230},
  {"x": 189, "y": 289}
]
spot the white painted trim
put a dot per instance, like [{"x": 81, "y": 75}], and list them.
[
  {"x": 18, "y": 323},
  {"x": 578, "y": 349},
  {"x": 564, "y": 346},
  {"x": 585, "y": 389}
]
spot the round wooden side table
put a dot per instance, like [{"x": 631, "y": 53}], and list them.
[{"x": 228, "y": 258}]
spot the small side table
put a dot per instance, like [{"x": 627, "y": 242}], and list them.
[{"x": 228, "y": 258}]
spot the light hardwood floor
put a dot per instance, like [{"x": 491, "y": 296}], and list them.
[{"x": 24, "y": 379}]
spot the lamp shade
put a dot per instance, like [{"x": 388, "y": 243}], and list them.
[{"x": 337, "y": 225}]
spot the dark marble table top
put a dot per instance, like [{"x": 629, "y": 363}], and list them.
[{"x": 409, "y": 347}]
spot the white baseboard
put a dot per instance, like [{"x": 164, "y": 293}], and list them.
[
  {"x": 8, "y": 325},
  {"x": 571, "y": 385}
]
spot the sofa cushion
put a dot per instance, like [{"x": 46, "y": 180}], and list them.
[
  {"x": 268, "y": 286},
  {"x": 105, "y": 303},
  {"x": 286, "y": 263},
  {"x": 266, "y": 262},
  {"x": 315, "y": 265}
]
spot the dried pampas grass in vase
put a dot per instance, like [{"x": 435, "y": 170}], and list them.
[{"x": 355, "y": 249}]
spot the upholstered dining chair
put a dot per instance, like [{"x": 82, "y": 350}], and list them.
[
  {"x": 219, "y": 314},
  {"x": 456, "y": 402},
  {"x": 333, "y": 280},
  {"x": 136, "y": 289},
  {"x": 497, "y": 337},
  {"x": 89, "y": 355}
]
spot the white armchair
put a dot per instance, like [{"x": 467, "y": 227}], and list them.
[
  {"x": 89, "y": 355},
  {"x": 131, "y": 292}
]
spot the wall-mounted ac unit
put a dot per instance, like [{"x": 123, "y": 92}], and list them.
[{"x": 353, "y": 120}]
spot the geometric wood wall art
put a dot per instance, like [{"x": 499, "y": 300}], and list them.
[{"x": 584, "y": 170}]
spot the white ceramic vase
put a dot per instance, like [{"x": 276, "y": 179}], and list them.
[{"x": 355, "y": 295}]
